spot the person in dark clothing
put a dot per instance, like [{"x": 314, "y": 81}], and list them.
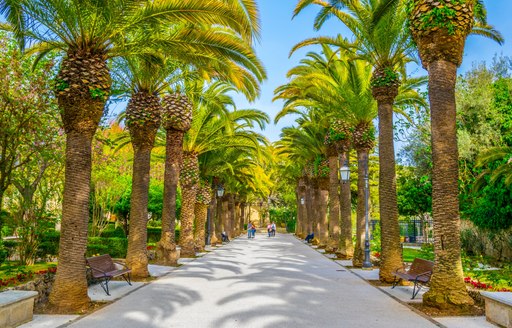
[{"x": 309, "y": 237}]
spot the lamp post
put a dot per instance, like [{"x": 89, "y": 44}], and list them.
[
  {"x": 367, "y": 264},
  {"x": 220, "y": 191},
  {"x": 345, "y": 173}
]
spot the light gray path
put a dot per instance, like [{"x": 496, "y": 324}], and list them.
[{"x": 265, "y": 282}]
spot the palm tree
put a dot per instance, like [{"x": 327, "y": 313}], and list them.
[
  {"x": 177, "y": 118},
  {"x": 359, "y": 110},
  {"x": 213, "y": 127},
  {"x": 142, "y": 117},
  {"x": 385, "y": 43},
  {"x": 440, "y": 30},
  {"x": 88, "y": 33}
]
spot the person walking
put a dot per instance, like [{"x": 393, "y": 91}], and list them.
[
  {"x": 273, "y": 229},
  {"x": 269, "y": 229},
  {"x": 249, "y": 230}
]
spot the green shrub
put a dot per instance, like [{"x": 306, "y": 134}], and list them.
[
  {"x": 49, "y": 245},
  {"x": 115, "y": 247},
  {"x": 112, "y": 232},
  {"x": 97, "y": 249},
  {"x": 290, "y": 226},
  {"x": 154, "y": 234},
  {"x": 3, "y": 252}
]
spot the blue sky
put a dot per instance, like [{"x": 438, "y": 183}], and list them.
[{"x": 280, "y": 33}]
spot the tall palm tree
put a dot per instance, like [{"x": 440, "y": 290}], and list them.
[
  {"x": 88, "y": 33},
  {"x": 142, "y": 117},
  {"x": 177, "y": 118},
  {"x": 440, "y": 30},
  {"x": 386, "y": 44},
  {"x": 213, "y": 127}
]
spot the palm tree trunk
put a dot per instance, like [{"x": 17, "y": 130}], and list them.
[
  {"x": 81, "y": 116},
  {"x": 309, "y": 222},
  {"x": 391, "y": 258},
  {"x": 232, "y": 215},
  {"x": 200, "y": 212},
  {"x": 188, "y": 193},
  {"x": 69, "y": 292},
  {"x": 447, "y": 285},
  {"x": 323, "y": 218},
  {"x": 137, "y": 258},
  {"x": 346, "y": 246},
  {"x": 334, "y": 205},
  {"x": 362, "y": 160},
  {"x": 166, "y": 251},
  {"x": 225, "y": 216},
  {"x": 214, "y": 222}
]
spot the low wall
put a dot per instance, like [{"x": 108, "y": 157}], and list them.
[{"x": 480, "y": 242}]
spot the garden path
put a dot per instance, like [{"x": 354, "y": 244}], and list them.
[{"x": 261, "y": 282}]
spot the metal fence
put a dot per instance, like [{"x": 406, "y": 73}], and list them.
[{"x": 413, "y": 230}]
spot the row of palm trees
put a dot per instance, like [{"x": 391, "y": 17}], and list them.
[
  {"x": 146, "y": 43},
  {"x": 339, "y": 92}
]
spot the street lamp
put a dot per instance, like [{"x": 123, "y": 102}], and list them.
[
  {"x": 345, "y": 173},
  {"x": 220, "y": 191},
  {"x": 367, "y": 264}
]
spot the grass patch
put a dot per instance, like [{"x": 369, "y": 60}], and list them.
[
  {"x": 12, "y": 268},
  {"x": 409, "y": 254}
]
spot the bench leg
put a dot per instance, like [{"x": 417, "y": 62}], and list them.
[
  {"x": 127, "y": 278},
  {"x": 415, "y": 290},
  {"x": 104, "y": 285},
  {"x": 396, "y": 282}
]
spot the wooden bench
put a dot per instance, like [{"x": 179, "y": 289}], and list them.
[
  {"x": 498, "y": 308},
  {"x": 103, "y": 269},
  {"x": 419, "y": 273}
]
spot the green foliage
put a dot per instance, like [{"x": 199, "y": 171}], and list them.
[
  {"x": 3, "y": 252},
  {"x": 493, "y": 208},
  {"x": 154, "y": 234},
  {"x": 442, "y": 17},
  {"x": 283, "y": 215},
  {"x": 389, "y": 78},
  {"x": 113, "y": 232},
  {"x": 97, "y": 93},
  {"x": 49, "y": 245},
  {"x": 116, "y": 247},
  {"x": 414, "y": 194},
  {"x": 409, "y": 254},
  {"x": 60, "y": 85}
]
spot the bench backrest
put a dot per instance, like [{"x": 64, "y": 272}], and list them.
[
  {"x": 102, "y": 262},
  {"x": 420, "y": 266}
]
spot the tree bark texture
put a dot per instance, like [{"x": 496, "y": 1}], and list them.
[
  {"x": 213, "y": 225},
  {"x": 447, "y": 285},
  {"x": 323, "y": 218},
  {"x": 309, "y": 222},
  {"x": 391, "y": 254},
  {"x": 346, "y": 245},
  {"x": 166, "y": 252},
  {"x": 136, "y": 257},
  {"x": 232, "y": 215},
  {"x": 69, "y": 292},
  {"x": 334, "y": 205},
  {"x": 80, "y": 115},
  {"x": 362, "y": 158},
  {"x": 188, "y": 193},
  {"x": 315, "y": 221},
  {"x": 200, "y": 213},
  {"x": 226, "y": 216}
]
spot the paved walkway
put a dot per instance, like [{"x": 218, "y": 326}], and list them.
[{"x": 262, "y": 282}]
